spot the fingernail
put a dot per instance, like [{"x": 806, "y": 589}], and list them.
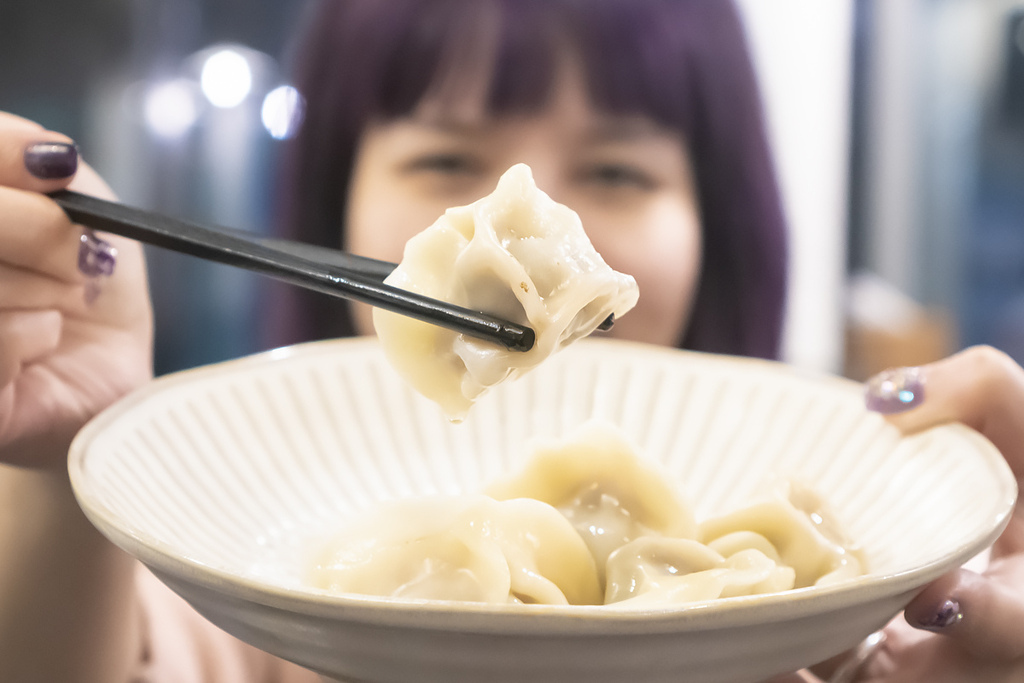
[
  {"x": 96, "y": 257},
  {"x": 51, "y": 160},
  {"x": 895, "y": 390},
  {"x": 947, "y": 614}
]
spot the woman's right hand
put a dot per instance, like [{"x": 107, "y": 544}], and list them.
[{"x": 70, "y": 344}]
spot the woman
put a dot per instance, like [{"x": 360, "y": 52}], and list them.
[
  {"x": 639, "y": 114},
  {"x": 431, "y": 102}
]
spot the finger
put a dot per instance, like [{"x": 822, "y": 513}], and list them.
[
  {"x": 35, "y": 234},
  {"x": 25, "y": 290},
  {"x": 981, "y": 387},
  {"x": 984, "y": 389},
  {"x": 980, "y": 613},
  {"x": 87, "y": 181},
  {"x": 33, "y": 158},
  {"x": 26, "y": 336}
]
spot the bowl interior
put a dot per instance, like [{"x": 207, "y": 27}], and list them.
[
  {"x": 231, "y": 466},
  {"x": 222, "y": 476}
]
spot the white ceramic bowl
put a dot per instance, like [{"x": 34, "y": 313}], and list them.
[{"x": 216, "y": 477}]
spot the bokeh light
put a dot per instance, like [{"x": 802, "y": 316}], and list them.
[
  {"x": 282, "y": 112},
  {"x": 170, "y": 108},
  {"x": 226, "y": 78}
]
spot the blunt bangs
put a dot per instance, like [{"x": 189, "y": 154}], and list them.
[{"x": 634, "y": 54}]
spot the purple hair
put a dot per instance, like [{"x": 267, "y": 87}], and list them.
[{"x": 683, "y": 63}]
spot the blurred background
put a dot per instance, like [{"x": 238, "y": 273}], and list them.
[{"x": 898, "y": 127}]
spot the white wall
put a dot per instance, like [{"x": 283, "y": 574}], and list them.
[
  {"x": 931, "y": 68},
  {"x": 803, "y": 50}
]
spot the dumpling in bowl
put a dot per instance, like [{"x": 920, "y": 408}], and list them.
[
  {"x": 793, "y": 527},
  {"x": 468, "y": 548},
  {"x": 654, "y": 572},
  {"x": 610, "y": 495},
  {"x": 789, "y": 540},
  {"x": 515, "y": 254}
]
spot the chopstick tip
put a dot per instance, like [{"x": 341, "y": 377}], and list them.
[{"x": 518, "y": 338}]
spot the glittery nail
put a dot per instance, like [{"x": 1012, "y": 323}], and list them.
[
  {"x": 896, "y": 390},
  {"x": 51, "y": 160},
  {"x": 947, "y": 614},
  {"x": 96, "y": 257}
]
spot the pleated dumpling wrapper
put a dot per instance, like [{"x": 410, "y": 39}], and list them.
[
  {"x": 597, "y": 479},
  {"x": 515, "y": 254},
  {"x": 470, "y": 548}
]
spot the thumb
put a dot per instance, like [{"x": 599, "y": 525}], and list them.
[
  {"x": 981, "y": 613},
  {"x": 981, "y": 387}
]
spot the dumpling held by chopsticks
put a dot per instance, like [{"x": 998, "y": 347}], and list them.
[{"x": 515, "y": 254}]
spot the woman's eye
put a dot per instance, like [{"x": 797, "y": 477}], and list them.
[
  {"x": 444, "y": 163},
  {"x": 619, "y": 176}
]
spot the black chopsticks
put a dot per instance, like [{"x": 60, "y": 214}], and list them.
[{"x": 324, "y": 270}]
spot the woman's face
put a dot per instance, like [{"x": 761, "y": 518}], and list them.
[{"x": 628, "y": 179}]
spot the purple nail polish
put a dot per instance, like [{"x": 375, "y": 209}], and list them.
[
  {"x": 96, "y": 257},
  {"x": 51, "y": 160},
  {"x": 894, "y": 391},
  {"x": 947, "y": 614}
]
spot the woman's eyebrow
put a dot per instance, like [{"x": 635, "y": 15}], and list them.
[{"x": 626, "y": 130}]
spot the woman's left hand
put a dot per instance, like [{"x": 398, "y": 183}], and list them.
[{"x": 965, "y": 626}]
